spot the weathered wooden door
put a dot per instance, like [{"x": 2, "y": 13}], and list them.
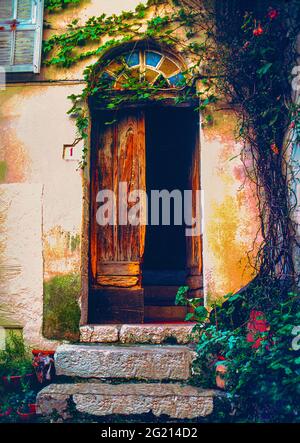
[
  {"x": 116, "y": 249},
  {"x": 119, "y": 290},
  {"x": 194, "y": 243}
]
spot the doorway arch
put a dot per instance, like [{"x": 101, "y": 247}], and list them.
[{"x": 120, "y": 290}]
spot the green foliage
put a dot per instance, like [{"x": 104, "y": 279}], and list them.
[
  {"x": 58, "y": 5},
  {"x": 101, "y": 34},
  {"x": 61, "y": 309},
  {"x": 256, "y": 71},
  {"x": 181, "y": 296},
  {"x": 263, "y": 378},
  {"x": 199, "y": 312},
  {"x": 16, "y": 359}
]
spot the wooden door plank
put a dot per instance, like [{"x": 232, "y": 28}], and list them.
[
  {"x": 194, "y": 243},
  {"x": 119, "y": 268},
  {"x": 104, "y": 177},
  {"x": 118, "y": 281}
]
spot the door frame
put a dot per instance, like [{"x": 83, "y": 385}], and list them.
[{"x": 195, "y": 277}]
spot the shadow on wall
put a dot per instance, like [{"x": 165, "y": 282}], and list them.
[{"x": 61, "y": 308}]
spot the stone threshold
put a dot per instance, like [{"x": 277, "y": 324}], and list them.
[
  {"x": 175, "y": 401},
  {"x": 152, "y": 333}
]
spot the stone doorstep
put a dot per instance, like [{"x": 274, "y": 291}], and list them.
[
  {"x": 99, "y": 399},
  {"x": 136, "y": 333},
  {"x": 144, "y": 362}
]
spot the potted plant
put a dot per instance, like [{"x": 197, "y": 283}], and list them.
[
  {"x": 18, "y": 372},
  {"x": 5, "y": 409},
  {"x": 27, "y": 408},
  {"x": 15, "y": 363},
  {"x": 221, "y": 370},
  {"x": 43, "y": 363}
]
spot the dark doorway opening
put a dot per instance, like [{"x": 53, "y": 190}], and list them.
[
  {"x": 170, "y": 141},
  {"x": 135, "y": 271}
]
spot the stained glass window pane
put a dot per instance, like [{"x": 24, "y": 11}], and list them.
[
  {"x": 132, "y": 59},
  {"x": 152, "y": 58},
  {"x": 115, "y": 66},
  {"x": 151, "y": 75},
  {"x": 122, "y": 80},
  {"x": 168, "y": 67},
  {"x": 177, "y": 80}
]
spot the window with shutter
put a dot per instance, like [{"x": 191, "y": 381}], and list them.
[{"x": 21, "y": 25}]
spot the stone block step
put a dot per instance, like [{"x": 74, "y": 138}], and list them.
[
  {"x": 157, "y": 333},
  {"x": 127, "y": 362},
  {"x": 153, "y": 333},
  {"x": 102, "y": 399}
]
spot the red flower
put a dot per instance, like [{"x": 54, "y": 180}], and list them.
[
  {"x": 275, "y": 148},
  {"x": 292, "y": 125},
  {"x": 256, "y": 325},
  {"x": 252, "y": 339},
  {"x": 273, "y": 14},
  {"x": 258, "y": 31},
  {"x": 257, "y": 322}
]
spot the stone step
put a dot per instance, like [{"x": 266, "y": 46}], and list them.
[
  {"x": 102, "y": 399},
  {"x": 127, "y": 362},
  {"x": 153, "y": 333}
]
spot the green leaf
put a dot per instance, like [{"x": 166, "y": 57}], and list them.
[
  {"x": 189, "y": 316},
  {"x": 264, "y": 69}
]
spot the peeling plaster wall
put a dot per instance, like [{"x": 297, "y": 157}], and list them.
[
  {"x": 230, "y": 210},
  {"x": 21, "y": 261},
  {"x": 43, "y": 194}
]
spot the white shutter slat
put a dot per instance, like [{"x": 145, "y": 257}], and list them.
[
  {"x": 5, "y": 48},
  {"x": 25, "y": 11},
  {"x": 20, "y": 46},
  {"x": 24, "y": 47},
  {"x": 6, "y": 10}
]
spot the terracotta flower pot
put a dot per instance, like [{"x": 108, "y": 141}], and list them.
[
  {"x": 221, "y": 370},
  {"x": 36, "y": 352},
  {"x": 14, "y": 381},
  {"x": 32, "y": 408},
  {"x": 27, "y": 416}
]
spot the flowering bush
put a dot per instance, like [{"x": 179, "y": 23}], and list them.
[{"x": 263, "y": 369}]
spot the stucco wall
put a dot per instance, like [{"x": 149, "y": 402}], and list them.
[
  {"x": 42, "y": 193},
  {"x": 231, "y": 227}
]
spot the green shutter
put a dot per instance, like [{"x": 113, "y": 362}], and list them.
[{"x": 20, "y": 48}]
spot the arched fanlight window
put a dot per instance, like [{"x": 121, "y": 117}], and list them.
[{"x": 148, "y": 66}]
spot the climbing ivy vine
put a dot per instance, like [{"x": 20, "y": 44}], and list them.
[
  {"x": 248, "y": 61},
  {"x": 100, "y": 34}
]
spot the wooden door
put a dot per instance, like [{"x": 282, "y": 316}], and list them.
[
  {"x": 116, "y": 250},
  {"x": 194, "y": 243}
]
